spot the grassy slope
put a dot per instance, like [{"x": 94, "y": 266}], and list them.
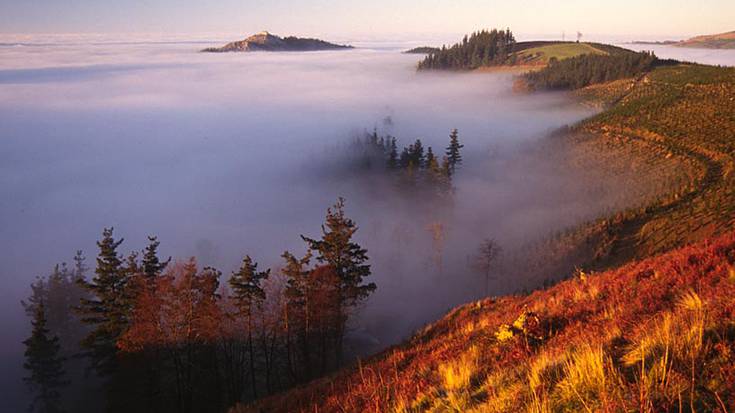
[
  {"x": 714, "y": 41},
  {"x": 560, "y": 51},
  {"x": 628, "y": 339},
  {"x": 636, "y": 337}
]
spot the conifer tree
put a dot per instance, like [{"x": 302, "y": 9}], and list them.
[
  {"x": 248, "y": 295},
  {"x": 430, "y": 158},
  {"x": 405, "y": 159},
  {"x": 392, "y": 162},
  {"x": 417, "y": 154},
  {"x": 298, "y": 310},
  {"x": 454, "y": 157},
  {"x": 45, "y": 365},
  {"x": 347, "y": 258},
  {"x": 152, "y": 265},
  {"x": 108, "y": 307}
]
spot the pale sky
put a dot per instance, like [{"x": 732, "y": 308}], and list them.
[{"x": 369, "y": 17}]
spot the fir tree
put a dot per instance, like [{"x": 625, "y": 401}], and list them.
[
  {"x": 298, "y": 309},
  {"x": 152, "y": 265},
  {"x": 417, "y": 154},
  {"x": 454, "y": 158},
  {"x": 392, "y": 162},
  {"x": 430, "y": 158},
  {"x": 109, "y": 305},
  {"x": 347, "y": 258},
  {"x": 248, "y": 295},
  {"x": 45, "y": 365}
]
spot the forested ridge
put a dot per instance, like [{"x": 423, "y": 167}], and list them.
[
  {"x": 482, "y": 48},
  {"x": 580, "y": 71}
]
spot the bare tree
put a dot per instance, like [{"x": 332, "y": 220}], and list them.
[{"x": 484, "y": 261}]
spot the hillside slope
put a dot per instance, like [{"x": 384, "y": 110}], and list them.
[
  {"x": 712, "y": 41},
  {"x": 650, "y": 336},
  {"x": 655, "y": 334},
  {"x": 685, "y": 111}
]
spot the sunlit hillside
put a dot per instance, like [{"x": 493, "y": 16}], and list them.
[
  {"x": 651, "y": 331},
  {"x": 651, "y": 336}
]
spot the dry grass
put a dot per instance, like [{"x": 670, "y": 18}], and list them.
[{"x": 654, "y": 335}]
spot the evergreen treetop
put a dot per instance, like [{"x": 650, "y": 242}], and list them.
[
  {"x": 152, "y": 265},
  {"x": 246, "y": 284},
  {"x": 348, "y": 258},
  {"x": 45, "y": 365},
  {"x": 454, "y": 157},
  {"x": 109, "y": 305}
]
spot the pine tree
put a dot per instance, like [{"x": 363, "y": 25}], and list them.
[
  {"x": 392, "y": 162},
  {"x": 347, "y": 258},
  {"x": 109, "y": 306},
  {"x": 417, "y": 154},
  {"x": 454, "y": 158},
  {"x": 45, "y": 365},
  {"x": 298, "y": 310},
  {"x": 430, "y": 158},
  {"x": 152, "y": 265},
  {"x": 248, "y": 295}
]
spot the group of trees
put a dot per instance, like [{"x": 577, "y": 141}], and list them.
[
  {"x": 165, "y": 336},
  {"x": 483, "y": 48},
  {"x": 417, "y": 163},
  {"x": 588, "y": 69}
]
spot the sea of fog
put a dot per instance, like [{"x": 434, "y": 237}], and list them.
[{"x": 222, "y": 155}]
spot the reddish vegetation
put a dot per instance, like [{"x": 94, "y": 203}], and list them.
[{"x": 485, "y": 356}]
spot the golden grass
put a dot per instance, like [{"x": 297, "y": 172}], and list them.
[{"x": 654, "y": 336}]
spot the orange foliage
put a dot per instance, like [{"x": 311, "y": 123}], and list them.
[
  {"x": 605, "y": 313},
  {"x": 180, "y": 307}
]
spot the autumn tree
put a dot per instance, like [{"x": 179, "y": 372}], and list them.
[
  {"x": 45, "y": 365},
  {"x": 348, "y": 260},
  {"x": 181, "y": 317}
]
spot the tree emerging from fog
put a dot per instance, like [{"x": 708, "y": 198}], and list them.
[
  {"x": 45, "y": 365},
  {"x": 416, "y": 167},
  {"x": 166, "y": 336}
]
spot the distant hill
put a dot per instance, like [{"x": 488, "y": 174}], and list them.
[
  {"x": 499, "y": 49},
  {"x": 714, "y": 41},
  {"x": 422, "y": 50},
  {"x": 267, "y": 42}
]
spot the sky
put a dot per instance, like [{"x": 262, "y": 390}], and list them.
[{"x": 651, "y": 18}]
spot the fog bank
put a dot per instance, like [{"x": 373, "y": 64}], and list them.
[{"x": 222, "y": 155}]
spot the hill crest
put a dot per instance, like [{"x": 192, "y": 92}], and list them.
[{"x": 265, "y": 41}]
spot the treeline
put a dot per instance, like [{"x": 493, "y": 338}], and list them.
[
  {"x": 415, "y": 165},
  {"x": 580, "y": 71},
  {"x": 483, "y": 48},
  {"x": 167, "y": 336}
]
